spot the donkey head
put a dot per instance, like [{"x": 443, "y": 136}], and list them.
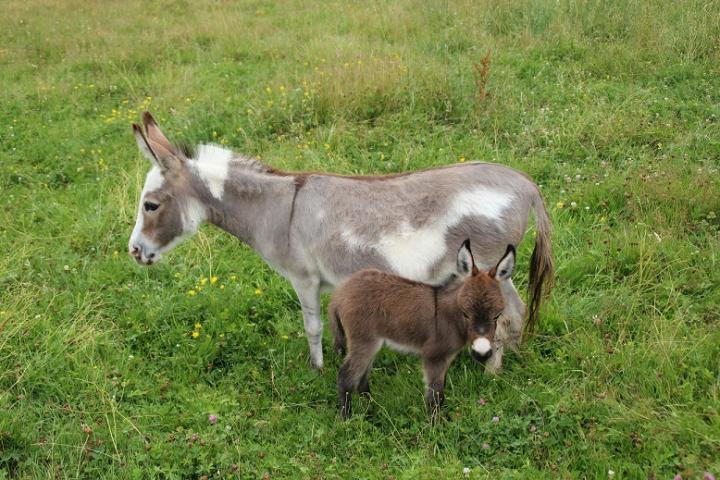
[
  {"x": 480, "y": 299},
  {"x": 169, "y": 210}
]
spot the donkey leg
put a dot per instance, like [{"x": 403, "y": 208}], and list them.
[
  {"x": 353, "y": 374},
  {"x": 308, "y": 292},
  {"x": 508, "y": 331},
  {"x": 434, "y": 371},
  {"x": 364, "y": 384},
  {"x": 494, "y": 363},
  {"x": 513, "y": 316},
  {"x": 338, "y": 332},
  {"x": 345, "y": 386}
]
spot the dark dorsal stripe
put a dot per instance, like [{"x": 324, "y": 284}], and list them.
[{"x": 298, "y": 184}]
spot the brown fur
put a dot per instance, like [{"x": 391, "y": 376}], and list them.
[{"x": 372, "y": 307}]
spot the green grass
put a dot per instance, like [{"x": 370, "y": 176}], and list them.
[{"x": 611, "y": 105}]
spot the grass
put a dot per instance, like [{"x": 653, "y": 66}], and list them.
[{"x": 611, "y": 106}]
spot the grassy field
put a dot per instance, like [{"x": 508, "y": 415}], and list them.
[{"x": 611, "y": 106}]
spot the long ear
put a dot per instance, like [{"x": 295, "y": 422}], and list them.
[
  {"x": 465, "y": 260},
  {"x": 155, "y": 152},
  {"x": 143, "y": 144},
  {"x": 154, "y": 134},
  {"x": 505, "y": 267}
]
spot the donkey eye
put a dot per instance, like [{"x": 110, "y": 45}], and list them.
[{"x": 150, "y": 206}]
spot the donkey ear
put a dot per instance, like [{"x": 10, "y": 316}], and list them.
[
  {"x": 154, "y": 134},
  {"x": 505, "y": 267},
  {"x": 155, "y": 152},
  {"x": 143, "y": 144},
  {"x": 465, "y": 261}
]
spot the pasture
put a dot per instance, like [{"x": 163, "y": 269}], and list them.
[{"x": 110, "y": 370}]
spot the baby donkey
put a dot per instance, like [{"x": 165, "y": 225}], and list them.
[{"x": 372, "y": 308}]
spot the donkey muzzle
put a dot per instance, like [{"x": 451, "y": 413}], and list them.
[
  {"x": 481, "y": 349},
  {"x": 142, "y": 257}
]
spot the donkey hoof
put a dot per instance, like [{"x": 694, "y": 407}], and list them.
[{"x": 345, "y": 414}]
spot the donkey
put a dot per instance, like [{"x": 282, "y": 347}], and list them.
[
  {"x": 372, "y": 308},
  {"x": 317, "y": 229}
]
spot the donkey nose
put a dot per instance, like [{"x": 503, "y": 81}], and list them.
[
  {"x": 481, "y": 357},
  {"x": 481, "y": 349},
  {"x": 135, "y": 251}
]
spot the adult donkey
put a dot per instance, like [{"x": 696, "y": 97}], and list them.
[{"x": 316, "y": 229}]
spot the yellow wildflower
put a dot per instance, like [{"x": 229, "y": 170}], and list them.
[
  {"x": 258, "y": 292},
  {"x": 203, "y": 280},
  {"x": 462, "y": 159},
  {"x": 560, "y": 204},
  {"x": 198, "y": 326},
  {"x": 213, "y": 280},
  {"x": 195, "y": 334},
  {"x": 285, "y": 337},
  {"x": 191, "y": 293}
]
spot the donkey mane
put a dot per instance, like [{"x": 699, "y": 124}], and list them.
[
  {"x": 209, "y": 153},
  {"x": 215, "y": 164}
]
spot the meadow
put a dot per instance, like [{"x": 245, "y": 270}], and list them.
[{"x": 198, "y": 367}]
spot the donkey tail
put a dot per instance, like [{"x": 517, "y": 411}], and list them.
[
  {"x": 541, "y": 263},
  {"x": 337, "y": 329}
]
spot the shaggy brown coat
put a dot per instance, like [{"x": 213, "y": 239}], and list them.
[{"x": 373, "y": 308}]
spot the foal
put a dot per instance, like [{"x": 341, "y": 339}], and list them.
[{"x": 372, "y": 308}]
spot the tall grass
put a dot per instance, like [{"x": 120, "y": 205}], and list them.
[{"x": 611, "y": 106}]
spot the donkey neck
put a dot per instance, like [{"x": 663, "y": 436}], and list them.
[{"x": 245, "y": 198}]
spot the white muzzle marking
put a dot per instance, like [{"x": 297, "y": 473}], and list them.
[{"x": 481, "y": 345}]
